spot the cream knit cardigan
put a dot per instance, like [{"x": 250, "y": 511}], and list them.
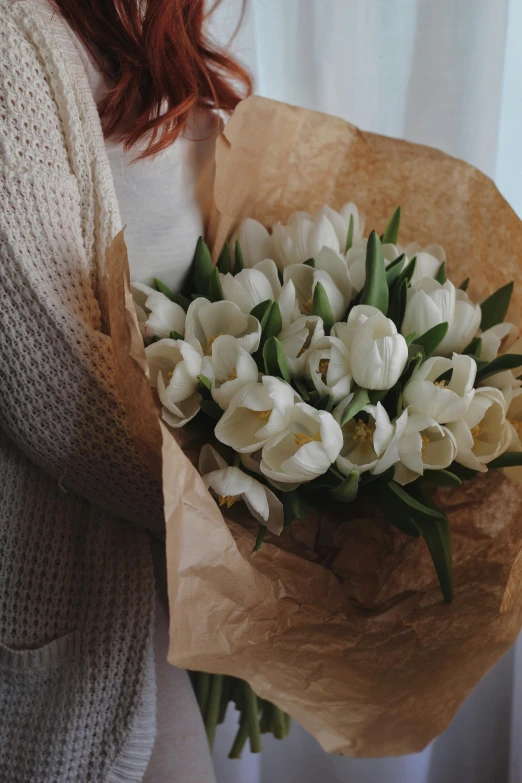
[{"x": 77, "y": 696}]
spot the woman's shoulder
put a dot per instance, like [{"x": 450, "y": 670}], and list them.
[{"x": 31, "y": 130}]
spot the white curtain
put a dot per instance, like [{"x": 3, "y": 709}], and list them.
[{"x": 447, "y": 73}]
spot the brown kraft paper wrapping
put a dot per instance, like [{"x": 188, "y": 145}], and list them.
[{"x": 341, "y": 625}]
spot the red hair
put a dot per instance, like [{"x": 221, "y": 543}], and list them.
[{"x": 159, "y": 63}]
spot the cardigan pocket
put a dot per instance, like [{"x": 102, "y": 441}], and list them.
[{"x": 49, "y": 655}]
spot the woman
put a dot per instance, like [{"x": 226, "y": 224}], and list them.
[{"x": 107, "y": 109}]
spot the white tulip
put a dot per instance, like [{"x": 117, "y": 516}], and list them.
[
  {"x": 356, "y": 261},
  {"x": 429, "y": 260},
  {"x": 513, "y": 400},
  {"x": 366, "y": 439},
  {"x": 430, "y": 303},
  {"x": 496, "y": 339},
  {"x": 174, "y": 366},
  {"x": 256, "y": 413},
  {"x": 296, "y": 339},
  {"x": 306, "y": 449},
  {"x": 305, "y": 278},
  {"x": 302, "y": 239},
  {"x": 208, "y": 320},
  {"x": 157, "y": 315},
  {"x": 346, "y": 330},
  {"x": 229, "y": 367},
  {"x": 341, "y": 223},
  {"x": 483, "y": 433},
  {"x": 328, "y": 367},
  {"x": 379, "y": 354},
  {"x": 441, "y": 400},
  {"x": 231, "y": 484},
  {"x": 254, "y": 240},
  {"x": 252, "y": 286},
  {"x": 422, "y": 444}
]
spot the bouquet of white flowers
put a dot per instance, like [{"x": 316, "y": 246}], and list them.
[
  {"x": 330, "y": 366},
  {"x": 347, "y": 407}
]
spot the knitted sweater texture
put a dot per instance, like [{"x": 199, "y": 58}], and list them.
[{"x": 77, "y": 693}]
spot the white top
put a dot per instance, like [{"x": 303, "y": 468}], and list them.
[{"x": 158, "y": 197}]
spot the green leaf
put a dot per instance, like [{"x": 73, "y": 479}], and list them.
[
  {"x": 346, "y": 492},
  {"x": 224, "y": 261},
  {"x": 440, "y": 277},
  {"x": 203, "y": 267},
  {"x": 464, "y": 285},
  {"x": 375, "y": 291},
  {"x": 163, "y": 289},
  {"x": 274, "y": 322},
  {"x": 205, "y": 382},
  {"x": 419, "y": 516},
  {"x": 474, "y": 348},
  {"x": 260, "y": 537},
  {"x": 495, "y": 307},
  {"x": 379, "y": 479},
  {"x": 155, "y": 338},
  {"x": 414, "y": 362},
  {"x": 430, "y": 339},
  {"x": 507, "y": 361},
  {"x": 215, "y": 292},
  {"x": 349, "y": 236},
  {"x": 437, "y": 536},
  {"x": 413, "y": 505},
  {"x": 377, "y": 395},
  {"x": 321, "y": 307},
  {"x": 442, "y": 478},
  {"x": 275, "y": 359},
  {"x": 294, "y": 507},
  {"x": 325, "y": 403},
  {"x": 410, "y": 338},
  {"x": 239, "y": 263},
  {"x": 261, "y": 311},
  {"x": 301, "y": 388},
  {"x": 359, "y": 400},
  {"x": 310, "y": 262},
  {"x": 211, "y": 408},
  {"x": 510, "y": 459},
  {"x": 391, "y": 232},
  {"x": 393, "y": 270},
  {"x": 175, "y": 335},
  {"x": 398, "y": 298},
  {"x": 464, "y": 474},
  {"x": 407, "y": 272}
]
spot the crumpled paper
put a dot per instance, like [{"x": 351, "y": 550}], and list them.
[{"x": 339, "y": 622}]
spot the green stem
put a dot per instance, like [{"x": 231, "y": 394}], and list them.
[
  {"x": 266, "y": 717},
  {"x": 226, "y": 698},
  {"x": 212, "y": 711},
  {"x": 278, "y": 723},
  {"x": 252, "y": 715},
  {"x": 239, "y": 742},
  {"x": 202, "y": 691},
  {"x": 260, "y": 537},
  {"x": 288, "y": 724}
]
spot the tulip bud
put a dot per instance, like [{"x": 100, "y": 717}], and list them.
[{"x": 379, "y": 354}]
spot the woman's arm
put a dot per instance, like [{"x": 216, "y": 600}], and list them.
[{"x": 58, "y": 398}]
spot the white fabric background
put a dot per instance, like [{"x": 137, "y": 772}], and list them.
[{"x": 446, "y": 73}]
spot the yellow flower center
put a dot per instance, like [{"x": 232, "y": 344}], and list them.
[
  {"x": 425, "y": 441},
  {"x": 307, "y": 306},
  {"x": 440, "y": 384},
  {"x": 207, "y": 349},
  {"x": 301, "y": 439},
  {"x": 476, "y": 432},
  {"x": 323, "y": 368},
  {"x": 232, "y": 375},
  {"x": 265, "y": 415},
  {"x": 170, "y": 374},
  {"x": 517, "y": 425},
  {"x": 227, "y": 500},
  {"x": 364, "y": 432}
]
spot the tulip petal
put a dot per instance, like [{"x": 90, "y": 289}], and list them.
[{"x": 210, "y": 460}]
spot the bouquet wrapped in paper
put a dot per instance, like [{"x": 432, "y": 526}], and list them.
[{"x": 350, "y": 409}]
